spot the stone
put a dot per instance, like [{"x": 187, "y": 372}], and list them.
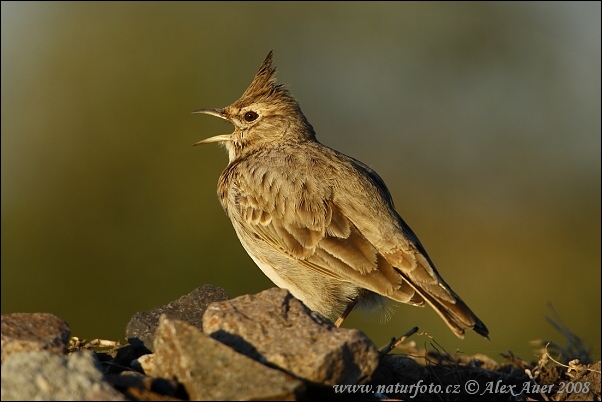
[
  {"x": 136, "y": 386},
  {"x": 209, "y": 370},
  {"x": 140, "y": 331},
  {"x": 44, "y": 375},
  {"x": 22, "y": 332},
  {"x": 275, "y": 328},
  {"x": 145, "y": 364}
]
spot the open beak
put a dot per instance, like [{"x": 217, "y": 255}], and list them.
[{"x": 218, "y": 138}]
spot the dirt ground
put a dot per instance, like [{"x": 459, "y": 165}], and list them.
[{"x": 443, "y": 377}]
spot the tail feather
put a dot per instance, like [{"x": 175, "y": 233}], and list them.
[{"x": 456, "y": 314}]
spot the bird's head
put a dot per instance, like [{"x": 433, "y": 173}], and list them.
[{"x": 265, "y": 115}]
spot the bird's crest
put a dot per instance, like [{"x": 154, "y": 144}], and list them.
[{"x": 264, "y": 87}]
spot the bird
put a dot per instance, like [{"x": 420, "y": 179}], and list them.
[{"x": 317, "y": 222}]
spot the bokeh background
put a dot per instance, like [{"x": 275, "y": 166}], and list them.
[{"x": 482, "y": 118}]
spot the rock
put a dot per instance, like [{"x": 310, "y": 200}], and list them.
[
  {"x": 210, "y": 370},
  {"x": 145, "y": 364},
  {"x": 43, "y": 375},
  {"x": 274, "y": 327},
  {"x": 140, "y": 331},
  {"x": 397, "y": 369},
  {"x": 137, "y": 387},
  {"x": 113, "y": 360},
  {"x": 22, "y": 332}
]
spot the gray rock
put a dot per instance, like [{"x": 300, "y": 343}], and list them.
[
  {"x": 274, "y": 327},
  {"x": 43, "y": 375},
  {"x": 140, "y": 331},
  {"x": 22, "y": 332},
  {"x": 210, "y": 370}
]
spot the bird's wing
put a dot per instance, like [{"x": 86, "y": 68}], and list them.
[
  {"x": 372, "y": 212},
  {"x": 350, "y": 232},
  {"x": 301, "y": 220}
]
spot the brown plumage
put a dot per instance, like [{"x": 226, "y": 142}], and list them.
[{"x": 319, "y": 223}]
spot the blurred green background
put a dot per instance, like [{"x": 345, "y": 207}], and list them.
[{"x": 482, "y": 118}]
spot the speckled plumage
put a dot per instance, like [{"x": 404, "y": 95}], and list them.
[{"x": 319, "y": 223}]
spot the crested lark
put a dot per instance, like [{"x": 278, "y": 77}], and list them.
[{"x": 319, "y": 223}]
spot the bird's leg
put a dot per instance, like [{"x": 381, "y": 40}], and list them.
[{"x": 348, "y": 309}]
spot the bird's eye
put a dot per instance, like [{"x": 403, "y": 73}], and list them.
[{"x": 251, "y": 116}]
